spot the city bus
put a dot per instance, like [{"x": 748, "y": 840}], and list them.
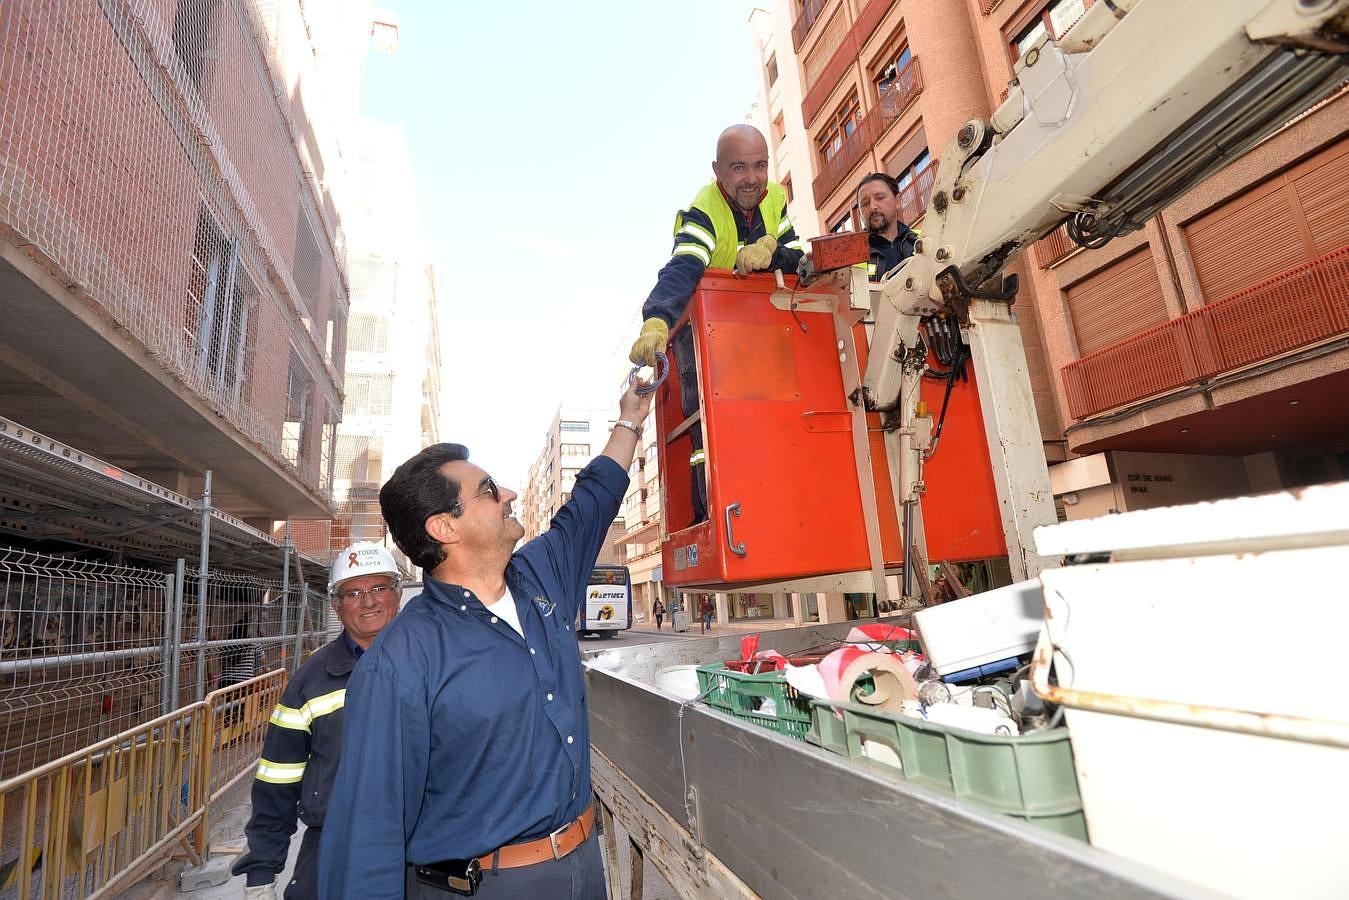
[{"x": 608, "y": 602}]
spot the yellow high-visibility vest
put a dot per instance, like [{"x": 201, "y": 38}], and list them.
[{"x": 711, "y": 201}]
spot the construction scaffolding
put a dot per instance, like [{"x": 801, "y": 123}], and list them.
[
  {"x": 155, "y": 164},
  {"x": 121, "y": 601}
]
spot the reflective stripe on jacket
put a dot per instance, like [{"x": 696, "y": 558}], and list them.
[{"x": 725, "y": 243}]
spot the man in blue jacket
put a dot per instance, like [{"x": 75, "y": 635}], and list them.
[{"x": 466, "y": 769}]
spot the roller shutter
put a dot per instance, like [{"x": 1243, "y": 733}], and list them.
[{"x": 1117, "y": 302}]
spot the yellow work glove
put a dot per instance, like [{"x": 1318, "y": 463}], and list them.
[
  {"x": 651, "y": 341},
  {"x": 756, "y": 257}
]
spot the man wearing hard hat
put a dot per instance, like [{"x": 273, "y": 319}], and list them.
[{"x": 300, "y": 754}]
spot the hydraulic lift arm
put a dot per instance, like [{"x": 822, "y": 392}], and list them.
[{"x": 1136, "y": 104}]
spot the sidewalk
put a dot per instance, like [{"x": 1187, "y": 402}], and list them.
[
  {"x": 739, "y": 626},
  {"x": 231, "y": 832}
]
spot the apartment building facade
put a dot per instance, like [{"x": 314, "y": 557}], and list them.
[
  {"x": 638, "y": 544},
  {"x": 1201, "y": 357},
  {"x": 393, "y": 372},
  {"x": 574, "y": 437},
  {"x": 171, "y": 255},
  {"x": 779, "y": 105}
]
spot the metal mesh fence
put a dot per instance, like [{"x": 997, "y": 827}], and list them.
[
  {"x": 151, "y": 160},
  {"x": 81, "y": 654},
  {"x": 88, "y": 649}
]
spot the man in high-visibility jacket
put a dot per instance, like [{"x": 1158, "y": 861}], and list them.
[
  {"x": 737, "y": 221},
  {"x": 304, "y": 739}
]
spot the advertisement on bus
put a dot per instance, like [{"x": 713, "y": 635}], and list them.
[{"x": 608, "y": 601}]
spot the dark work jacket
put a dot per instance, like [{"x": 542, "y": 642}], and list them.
[
  {"x": 887, "y": 254},
  {"x": 299, "y": 760}
]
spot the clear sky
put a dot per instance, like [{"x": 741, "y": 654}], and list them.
[{"x": 552, "y": 145}]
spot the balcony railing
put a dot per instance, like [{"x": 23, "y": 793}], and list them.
[
  {"x": 842, "y": 58},
  {"x": 810, "y": 13},
  {"x": 1053, "y": 247},
  {"x": 914, "y": 196},
  {"x": 894, "y": 101},
  {"x": 1296, "y": 309}
]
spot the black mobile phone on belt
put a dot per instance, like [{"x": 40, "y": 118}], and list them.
[{"x": 457, "y": 876}]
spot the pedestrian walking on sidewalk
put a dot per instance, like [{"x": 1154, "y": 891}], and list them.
[
  {"x": 304, "y": 739},
  {"x": 705, "y": 611},
  {"x": 658, "y": 610}
]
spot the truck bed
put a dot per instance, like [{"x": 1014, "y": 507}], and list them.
[{"x": 775, "y": 817}]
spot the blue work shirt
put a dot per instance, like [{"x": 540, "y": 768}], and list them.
[{"x": 461, "y": 735}]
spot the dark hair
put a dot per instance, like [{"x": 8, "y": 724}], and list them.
[
  {"x": 879, "y": 176},
  {"x": 416, "y": 492}
]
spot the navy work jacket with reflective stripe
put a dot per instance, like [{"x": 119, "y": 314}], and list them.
[{"x": 461, "y": 735}]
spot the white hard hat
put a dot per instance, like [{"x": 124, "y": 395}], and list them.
[{"x": 362, "y": 558}]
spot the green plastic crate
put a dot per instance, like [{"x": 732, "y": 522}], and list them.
[
  {"x": 743, "y": 696},
  {"x": 1030, "y": 777}
]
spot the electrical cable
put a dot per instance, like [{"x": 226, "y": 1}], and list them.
[{"x": 662, "y": 369}]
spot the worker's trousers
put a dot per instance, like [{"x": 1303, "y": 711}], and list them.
[
  {"x": 686, "y": 363},
  {"x": 304, "y": 881}
]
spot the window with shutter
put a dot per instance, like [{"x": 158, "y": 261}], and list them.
[
  {"x": 1292, "y": 218},
  {"x": 1116, "y": 302}
]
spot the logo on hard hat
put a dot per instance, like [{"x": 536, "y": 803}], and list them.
[{"x": 351, "y": 559}]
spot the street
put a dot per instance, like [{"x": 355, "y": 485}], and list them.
[{"x": 633, "y": 638}]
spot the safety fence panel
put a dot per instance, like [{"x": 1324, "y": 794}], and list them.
[
  {"x": 238, "y": 717},
  {"x": 91, "y": 822},
  {"x": 90, "y": 649},
  {"x": 82, "y": 649},
  {"x": 1295, "y": 309}
]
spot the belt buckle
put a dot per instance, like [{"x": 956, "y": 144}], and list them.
[{"x": 552, "y": 840}]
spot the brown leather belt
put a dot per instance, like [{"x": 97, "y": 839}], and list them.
[{"x": 544, "y": 849}]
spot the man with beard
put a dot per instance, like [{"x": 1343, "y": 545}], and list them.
[
  {"x": 891, "y": 240},
  {"x": 737, "y": 221}
]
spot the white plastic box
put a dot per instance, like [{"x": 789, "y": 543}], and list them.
[
  {"x": 983, "y": 628},
  {"x": 1207, "y": 696}
]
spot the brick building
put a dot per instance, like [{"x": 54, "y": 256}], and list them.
[
  {"x": 171, "y": 257},
  {"x": 1201, "y": 357}
]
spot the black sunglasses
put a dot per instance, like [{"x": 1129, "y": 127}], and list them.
[{"x": 489, "y": 487}]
